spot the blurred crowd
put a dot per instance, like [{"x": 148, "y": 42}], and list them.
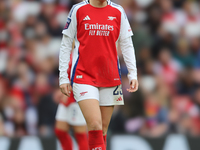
[{"x": 167, "y": 45}]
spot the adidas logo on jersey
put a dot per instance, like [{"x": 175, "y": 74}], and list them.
[
  {"x": 87, "y": 18},
  {"x": 119, "y": 99}
]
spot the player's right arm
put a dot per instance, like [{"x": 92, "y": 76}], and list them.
[
  {"x": 64, "y": 58},
  {"x": 65, "y": 51}
]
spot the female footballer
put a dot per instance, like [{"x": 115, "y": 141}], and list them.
[
  {"x": 97, "y": 26},
  {"x": 69, "y": 116}
]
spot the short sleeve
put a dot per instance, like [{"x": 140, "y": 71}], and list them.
[
  {"x": 125, "y": 30},
  {"x": 71, "y": 24}
]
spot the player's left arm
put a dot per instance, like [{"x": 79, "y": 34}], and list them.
[
  {"x": 130, "y": 60},
  {"x": 128, "y": 52}
]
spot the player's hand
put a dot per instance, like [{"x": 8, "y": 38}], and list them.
[
  {"x": 133, "y": 86},
  {"x": 66, "y": 89}
]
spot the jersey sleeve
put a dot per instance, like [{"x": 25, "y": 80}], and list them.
[
  {"x": 71, "y": 24},
  {"x": 128, "y": 52},
  {"x": 64, "y": 59},
  {"x": 125, "y": 30}
]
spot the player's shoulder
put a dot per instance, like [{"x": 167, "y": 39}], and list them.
[
  {"x": 77, "y": 6},
  {"x": 117, "y": 6}
]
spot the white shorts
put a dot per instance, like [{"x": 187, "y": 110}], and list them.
[
  {"x": 71, "y": 114},
  {"x": 107, "y": 96}
]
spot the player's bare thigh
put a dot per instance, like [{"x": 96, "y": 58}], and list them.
[
  {"x": 91, "y": 111},
  {"x": 62, "y": 125},
  {"x": 106, "y": 114}
]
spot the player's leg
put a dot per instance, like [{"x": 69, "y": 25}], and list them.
[
  {"x": 91, "y": 111},
  {"x": 87, "y": 97},
  {"x": 108, "y": 97},
  {"x": 78, "y": 124},
  {"x": 106, "y": 114},
  {"x": 62, "y": 128},
  {"x": 80, "y": 133}
]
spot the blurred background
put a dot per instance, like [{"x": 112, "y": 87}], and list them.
[{"x": 167, "y": 45}]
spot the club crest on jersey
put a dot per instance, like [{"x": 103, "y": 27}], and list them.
[
  {"x": 68, "y": 23},
  {"x": 111, "y": 18}
]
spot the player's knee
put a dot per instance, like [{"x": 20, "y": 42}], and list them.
[{"x": 95, "y": 125}]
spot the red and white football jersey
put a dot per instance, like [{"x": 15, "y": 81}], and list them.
[{"x": 96, "y": 32}]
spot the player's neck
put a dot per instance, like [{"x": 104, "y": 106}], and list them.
[{"x": 98, "y": 3}]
